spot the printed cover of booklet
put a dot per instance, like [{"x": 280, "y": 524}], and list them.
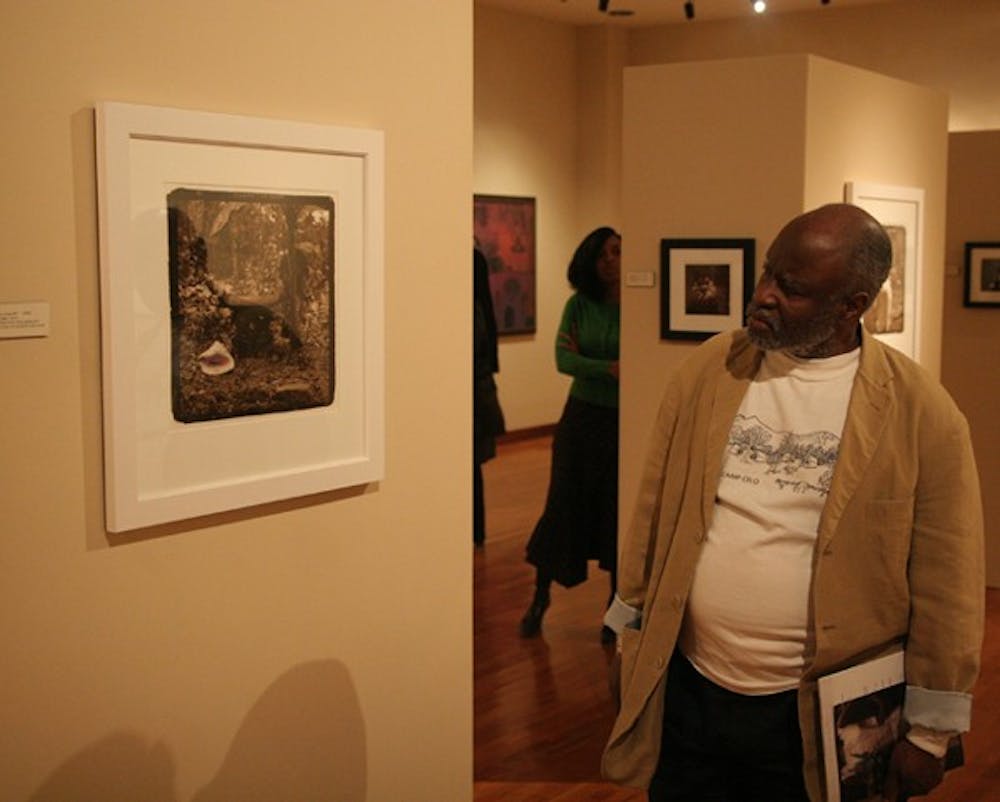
[
  {"x": 861, "y": 709},
  {"x": 861, "y": 712}
]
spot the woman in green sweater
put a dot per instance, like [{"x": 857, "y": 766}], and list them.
[{"x": 580, "y": 521}]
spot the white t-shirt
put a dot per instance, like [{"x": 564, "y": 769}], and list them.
[{"x": 746, "y": 624}]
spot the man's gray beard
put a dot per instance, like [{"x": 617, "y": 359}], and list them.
[{"x": 809, "y": 342}]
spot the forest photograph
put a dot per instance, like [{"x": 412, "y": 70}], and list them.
[{"x": 251, "y": 303}]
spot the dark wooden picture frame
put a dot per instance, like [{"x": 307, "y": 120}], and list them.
[
  {"x": 705, "y": 286},
  {"x": 982, "y": 274}
]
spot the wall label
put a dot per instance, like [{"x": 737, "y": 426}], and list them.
[
  {"x": 30, "y": 319},
  {"x": 640, "y": 278}
]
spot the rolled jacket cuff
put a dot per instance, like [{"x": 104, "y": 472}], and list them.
[
  {"x": 622, "y": 616},
  {"x": 945, "y": 711}
]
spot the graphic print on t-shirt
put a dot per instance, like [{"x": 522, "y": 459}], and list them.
[{"x": 780, "y": 460}]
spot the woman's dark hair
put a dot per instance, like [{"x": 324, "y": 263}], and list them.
[{"x": 582, "y": 271}]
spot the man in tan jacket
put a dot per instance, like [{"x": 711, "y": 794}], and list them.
[{"x": 810, "y": 501}]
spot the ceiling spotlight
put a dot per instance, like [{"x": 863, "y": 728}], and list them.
[
  {"x": 689, "y": 9},
  {"x": 602, "y": 5},
  {"x": 760, "y": 6}
]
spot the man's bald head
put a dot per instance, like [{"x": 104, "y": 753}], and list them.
[
  {"x": 821, "y": 273},
  {"x": 856, "y": 236}
]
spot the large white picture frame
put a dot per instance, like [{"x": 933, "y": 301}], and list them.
[
  {"x": 895, "y": 317},
  {"x": 159, "y": 468}
]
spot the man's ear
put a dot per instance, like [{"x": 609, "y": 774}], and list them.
[{"x": 856, "y": 305}]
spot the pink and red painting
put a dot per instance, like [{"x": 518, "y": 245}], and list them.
[{"x": 504, "y": 230}]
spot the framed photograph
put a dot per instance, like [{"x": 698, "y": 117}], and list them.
[
  {"x": 503, "y": 228},
  {"x": 241, "y": 310},
  {"x": 705, "y": 286},
  {"x": 894, "y": 317},
  {"x": 982, "y": 274}
]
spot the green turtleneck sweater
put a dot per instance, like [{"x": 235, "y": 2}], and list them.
[{"x": 594, "y": 328}]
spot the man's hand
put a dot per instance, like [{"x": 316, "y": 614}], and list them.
[{"x": 912, "y": 772}]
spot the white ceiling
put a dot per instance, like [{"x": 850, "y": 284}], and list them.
[{"x": 658, "y": 12}]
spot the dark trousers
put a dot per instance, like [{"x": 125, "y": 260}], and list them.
[
  {"x": 478, "y": 504},
  {"x": 720, "y": 746}
]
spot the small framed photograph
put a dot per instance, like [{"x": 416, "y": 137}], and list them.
[
  {"x": 503, "y": 228},
  {"x": 982, "y": 274},
  {"x": 705, "y": 286}
]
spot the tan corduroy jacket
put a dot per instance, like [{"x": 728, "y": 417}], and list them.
[{"x": 899, "y": 551}]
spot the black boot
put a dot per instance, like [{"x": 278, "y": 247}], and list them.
[{"x": 531, "y": 624}]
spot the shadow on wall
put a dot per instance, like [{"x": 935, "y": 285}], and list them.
[
  {"x": 304, "y": 739},
  {"x": 119, "y": 768}
]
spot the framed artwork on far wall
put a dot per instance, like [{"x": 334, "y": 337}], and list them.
[
  {"x": 504, "y": 230},
  {"x": 982, "y": 274},
  {"x": 895, "y": 316},
  {"x": 705, "y": 285}
]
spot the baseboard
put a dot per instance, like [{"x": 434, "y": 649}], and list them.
[{"x": 528, "y": 433}]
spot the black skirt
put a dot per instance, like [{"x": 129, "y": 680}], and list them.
[{"x": 580, "y": 521}]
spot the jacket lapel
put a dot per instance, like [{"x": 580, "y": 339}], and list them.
[{"x": 867, "y": 415}]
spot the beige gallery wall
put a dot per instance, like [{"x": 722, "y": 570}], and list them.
[
  {"x": 866, "y": 127},
  {"x": 525, "y": 145},
  {"x": 970, "y": 365},
  {"x": 266, "y": 653},
  {"x": 697, "y": 171},
  {"x": 941, "y": 44},
  {"x": 529, "y": 141}
]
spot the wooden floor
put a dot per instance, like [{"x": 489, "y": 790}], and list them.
[{"x": 542, "y": 709}]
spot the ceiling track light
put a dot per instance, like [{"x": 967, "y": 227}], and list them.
[
  {"x": 602, "y": 5},
  {"x": 689, "y": 9},
  {"x": 760, "y": 6}
]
